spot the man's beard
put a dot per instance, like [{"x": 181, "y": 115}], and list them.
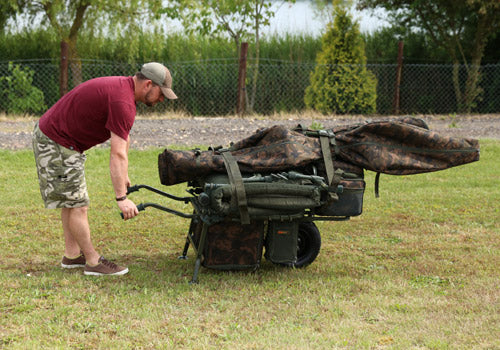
[{"x": 148, "y": 102}]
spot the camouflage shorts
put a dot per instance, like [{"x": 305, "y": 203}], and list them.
[{"x": 61, "y": 173}]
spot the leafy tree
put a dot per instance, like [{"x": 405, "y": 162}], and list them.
[
  {"x": 381, "y": 47},
  {"x": 492, "y": 50},
  {"x": 340, "y": 82},
  {"x": 8, "y": 8},
  {"x": 213, "y": 17},
  {"x": 462, "y": 27},
  {"x": 240, "y": 19},
  {"x": 69, "y": 17}
]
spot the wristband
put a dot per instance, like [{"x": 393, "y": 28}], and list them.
[{"x": 119, "y": 199}]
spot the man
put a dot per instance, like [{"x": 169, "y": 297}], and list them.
[{"x": 93, "y": 112}]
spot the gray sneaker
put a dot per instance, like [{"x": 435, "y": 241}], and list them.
[
  {"x": 68, "y": 263},
  {"x": 104, "y": 268}
]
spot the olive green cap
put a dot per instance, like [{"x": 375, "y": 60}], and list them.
[{"x": 160, "y": 75}]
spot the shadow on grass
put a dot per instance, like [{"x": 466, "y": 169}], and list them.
[{"x": 155, "y": 269}]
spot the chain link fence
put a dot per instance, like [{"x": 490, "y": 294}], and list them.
[{"x": 210, "y": 87}]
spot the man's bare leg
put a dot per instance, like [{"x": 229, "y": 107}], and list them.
[
  {"x": 71, "y": 247},
  {"x": 77, "y": 234}
]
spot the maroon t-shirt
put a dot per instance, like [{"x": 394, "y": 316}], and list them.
[{"x": 86, "y": 115}]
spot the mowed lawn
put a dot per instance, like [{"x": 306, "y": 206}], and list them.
[{"x": 419, "y": 269}]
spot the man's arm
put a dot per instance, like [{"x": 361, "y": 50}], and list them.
[{"x": 118, "y": 168}]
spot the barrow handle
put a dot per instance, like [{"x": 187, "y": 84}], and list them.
[
  {"x": 143, "y": 206},
  {"x": 136, "y": 188},
  {"x": 140, "y": 207}
]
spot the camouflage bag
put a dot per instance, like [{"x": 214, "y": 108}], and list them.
[
  {"x": 397, "y": 147},
  {"x": 229, "y": 245}
]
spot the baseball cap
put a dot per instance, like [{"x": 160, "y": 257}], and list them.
[{"x": 160, "y": 75}]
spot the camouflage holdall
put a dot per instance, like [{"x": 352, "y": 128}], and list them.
[
  {"x": 232, "y": 246},
  {"x": 61, "y": 173},
  {"x": 397, "y": 147}
]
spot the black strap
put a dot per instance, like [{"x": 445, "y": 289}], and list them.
[{"x": 238, "y": 188}]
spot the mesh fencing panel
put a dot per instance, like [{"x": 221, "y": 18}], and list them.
[{"x": 210, "y": 87}]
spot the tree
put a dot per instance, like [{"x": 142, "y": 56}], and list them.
[
  {"x": 8, "y": 9},
  {"x": 381, "y": 46},
  {"x": 68, "y": 17},
  {"x": 462, "y": 27},
  {"x": 240, "y": 19},
  {"x": 213, "y": 17},
  {"x": 261, "y": 15},
  {"x": 340, "y": 82}
]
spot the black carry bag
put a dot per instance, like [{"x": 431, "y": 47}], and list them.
[
  {"x": 281, "y": 242},
  {"x": 350, "y": 197}
]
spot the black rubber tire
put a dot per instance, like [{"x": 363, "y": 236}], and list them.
[{"x": 308, "y": 245}]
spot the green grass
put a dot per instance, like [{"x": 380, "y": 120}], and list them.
[{"x": 419, "y": 269}]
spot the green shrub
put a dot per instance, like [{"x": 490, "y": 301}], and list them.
[
  {"x": 20, "y": 94},
  {"x": 340, "y": 82}
]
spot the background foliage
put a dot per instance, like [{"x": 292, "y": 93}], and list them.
[
  {"x": 205, "y": 67},
  {"x": 20, "y": 95},
  {"x": 340, "y": 82}
]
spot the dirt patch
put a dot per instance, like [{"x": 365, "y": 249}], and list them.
[{"x": 196, "y": 131}]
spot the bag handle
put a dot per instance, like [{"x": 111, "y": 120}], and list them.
[{"x": 236, "y": 181}]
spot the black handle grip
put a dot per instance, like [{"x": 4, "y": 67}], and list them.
[
  {"x": 140, "y": 207},
  {"x": 134, "y": 188}
]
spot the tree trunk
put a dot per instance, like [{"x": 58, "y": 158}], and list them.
[
  {"x": 472, "y": 88},
  {"x": 63, "y": 69},
  {"x": 456, "y": 84},
  {"x": 257, "y": 59},
  {"x": 75, "y": 61},
  {"x": 76, "y": 65},
  {"x": 241, "y": 96}
]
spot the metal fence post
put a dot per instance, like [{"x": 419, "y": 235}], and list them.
[
  {"x": 398, "y": 78},
  {"x": 242, "y": 73}
]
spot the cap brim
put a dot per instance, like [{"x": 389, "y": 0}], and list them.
[{"x": 168, "y": 93}]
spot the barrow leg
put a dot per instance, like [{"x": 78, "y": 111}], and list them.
[
  {"x": 199, "y": 253},
  {"x": 197, "y": 265},
  {"x": 190, "y": 235},
  {"x": 184, "y": 252}
]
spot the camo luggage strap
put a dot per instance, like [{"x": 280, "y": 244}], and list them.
[
  {"x": 236, "y": 181},
  {"x": 327, "y": 137}
]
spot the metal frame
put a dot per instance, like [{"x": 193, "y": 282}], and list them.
[{"x": 308, "y": 216}]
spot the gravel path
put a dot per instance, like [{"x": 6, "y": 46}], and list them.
[{"x": 16, "y": 134}]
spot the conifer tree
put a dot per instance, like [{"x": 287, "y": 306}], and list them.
[{"x": 340, "y": 82}]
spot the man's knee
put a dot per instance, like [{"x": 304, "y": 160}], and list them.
[{"x": 78, "y": 211}]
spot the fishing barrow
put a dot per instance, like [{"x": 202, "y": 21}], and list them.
[
  {"x": 233, "y": 223},
  {"x": 263, "y": 193}
]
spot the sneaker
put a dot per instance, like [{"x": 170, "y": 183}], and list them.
[
  {"x": 68, "y": 263},
  {"x": 104, "y": 267}
]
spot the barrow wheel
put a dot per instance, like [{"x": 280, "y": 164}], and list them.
[{"x": 308, "y": 244}]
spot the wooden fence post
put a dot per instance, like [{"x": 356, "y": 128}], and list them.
[
  {"x": 242, "y": 73},
  {"x": 63, "y": 69},
  {"x": 398, "y": 78}
]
